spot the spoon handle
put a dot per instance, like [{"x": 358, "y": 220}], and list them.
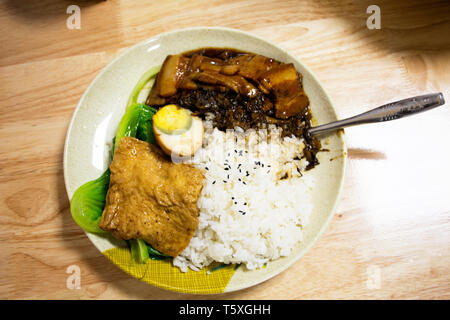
[{"x": 387, "y": 112}]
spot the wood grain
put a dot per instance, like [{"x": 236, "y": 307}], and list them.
[{"x": 393, "y": 220}]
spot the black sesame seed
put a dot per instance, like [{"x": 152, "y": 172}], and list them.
[
  {"x": 206, "y": 168},
  {"x": 224, "y": 181},
  {"x": 214, "y": 182}
]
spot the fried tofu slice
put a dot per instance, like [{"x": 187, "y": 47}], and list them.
[{"x": 151, "y": 198}]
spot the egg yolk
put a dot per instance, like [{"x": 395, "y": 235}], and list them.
[{"x": 172, "y": 119}]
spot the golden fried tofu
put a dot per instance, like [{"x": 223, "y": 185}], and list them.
[{"x": 151, "y": 198}]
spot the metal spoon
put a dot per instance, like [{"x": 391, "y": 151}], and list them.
[{"x": 387, "y": 112}]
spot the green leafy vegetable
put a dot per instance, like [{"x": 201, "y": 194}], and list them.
[
  {"x": 145, "y": 128},
  {"x": 218, "y": 267},
  {"x": 155, "y": 254},
  {"x": 139, "y": 251},
  {"x": 136, "y": 122},
  {"x": 88, "y": 202}
]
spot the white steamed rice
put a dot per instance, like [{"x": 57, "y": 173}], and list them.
[{"x": 248, "y": 214}]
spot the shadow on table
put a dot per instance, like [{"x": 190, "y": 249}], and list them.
[
  {"x": 417, "y": 25},
  {"x": 49, "y": 31}
]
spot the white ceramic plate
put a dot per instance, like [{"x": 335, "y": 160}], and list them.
[{"x": 95, "y": 120}]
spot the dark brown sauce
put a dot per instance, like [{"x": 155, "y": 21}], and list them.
[{"x": 241, "y": 89}]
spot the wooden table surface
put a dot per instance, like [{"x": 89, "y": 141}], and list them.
[{"x": 390, "y": 236}]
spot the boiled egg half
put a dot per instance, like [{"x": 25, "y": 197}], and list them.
[{"x": 176, "y": 131}]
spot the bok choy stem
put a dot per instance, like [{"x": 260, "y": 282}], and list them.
[
  {"x": 141, "y": 83},
  {"x": 139, "y": 250}
]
